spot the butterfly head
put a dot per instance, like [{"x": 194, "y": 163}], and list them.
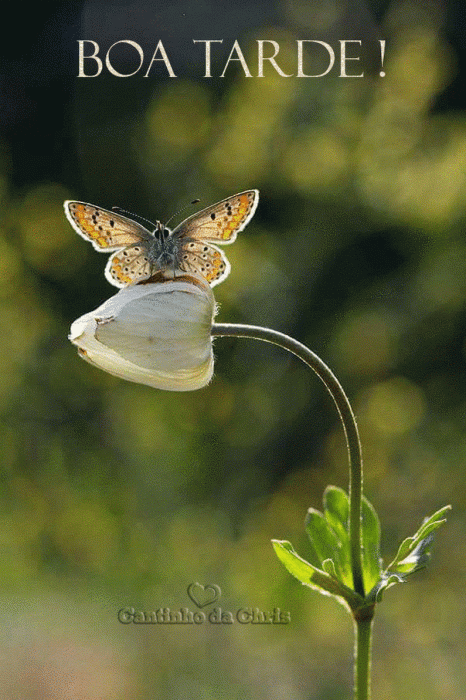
[{"x": 161, "y": 232}]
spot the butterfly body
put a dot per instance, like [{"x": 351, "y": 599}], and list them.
[
  {"x": 164, "y": 249},
  {"x": 190, "y": 247}
]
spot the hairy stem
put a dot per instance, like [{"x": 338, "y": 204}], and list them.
[{"x": 362, "y": 657}]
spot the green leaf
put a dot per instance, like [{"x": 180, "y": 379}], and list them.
[
  {"x": 296, "y": 565},
  {"x": 416, "y": 559},
  {"x": 403, "y": 551},
  {"x": 323, "y": 539},
  {"x": 387, "y": 581},
  {"x": 432, "y": 523},
  {"x": 329, "y": 567},
  {"x": 370, "y": 537},
  {"x": 414, "y": 552},
  {"x": 312, "y": 576},
  {"x": 336, "y": 509}
]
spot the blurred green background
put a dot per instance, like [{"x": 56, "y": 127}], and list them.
[{"x": 114, "y": 494}]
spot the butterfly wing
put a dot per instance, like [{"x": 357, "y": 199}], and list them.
[
  {"x": 221, "y": 222},
  {"x": 128, "y": 266},
  {"x": 106, "y": 230},
  {"x": 205, "y": 259}
]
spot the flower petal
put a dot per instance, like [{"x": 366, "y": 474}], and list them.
[{"x": 157, "y": 334}]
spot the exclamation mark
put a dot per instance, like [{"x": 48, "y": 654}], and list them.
[{"x": 382, "y": 56}]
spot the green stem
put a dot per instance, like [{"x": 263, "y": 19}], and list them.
[
  {"x": 347, "y": 417},
  {"x": 362, "y": 657}
]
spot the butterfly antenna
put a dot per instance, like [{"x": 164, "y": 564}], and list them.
[
  {"x": 119, "y": 210},
  {"x": 195, "y": 201}
]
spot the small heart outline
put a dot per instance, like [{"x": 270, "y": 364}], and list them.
[{"x": 194, "y": 589}]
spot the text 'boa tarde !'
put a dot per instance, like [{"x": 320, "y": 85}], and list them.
[{"x": 312, "y": 59}]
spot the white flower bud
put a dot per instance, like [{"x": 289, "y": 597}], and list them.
[{"x": 157, "y": 333}]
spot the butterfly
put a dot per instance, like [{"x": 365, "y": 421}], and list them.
[{"x": 141, "y": 253}]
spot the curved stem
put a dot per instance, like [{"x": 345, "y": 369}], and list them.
[{"x": 347, "y": 417}]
